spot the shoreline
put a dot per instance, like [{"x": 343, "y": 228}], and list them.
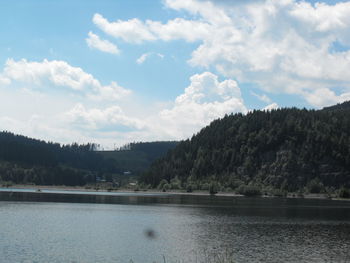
[{"x": 157, "y": 192}]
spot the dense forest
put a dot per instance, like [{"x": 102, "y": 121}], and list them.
[
  {"x": 278, "y": 151},
  {"x": 26, "y": 160},
  {"x": 283, "y": 150},
  {"x": 29, "y": 161},
  {"x": 136, "y": 157}
]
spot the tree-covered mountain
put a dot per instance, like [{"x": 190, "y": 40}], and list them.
[
  {"x": 339, "y": 106},
  {"x": 136, "y": 157},
  {"x": 25, "y": 160},
  {"x": 285, "y": 150}
]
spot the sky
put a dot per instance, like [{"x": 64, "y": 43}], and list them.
[{"x": 112, "y": 72}]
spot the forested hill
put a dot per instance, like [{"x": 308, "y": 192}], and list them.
[
  {"x": 138, "y": 156},
  {"x": 25, "y": 160},
  {"x": 28, "y": 151},
  {"x": 285, "y": 149},
  {"x": 340, "y": 106}
]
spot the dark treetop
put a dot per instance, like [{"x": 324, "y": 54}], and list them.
[
  {"x": 24, "y": 160},
  {"x": 285, "y": 149}
]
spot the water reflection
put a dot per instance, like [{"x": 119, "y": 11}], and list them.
[
  {"x": 266, "y": 207},
  {"x": 52, "y": 227}
]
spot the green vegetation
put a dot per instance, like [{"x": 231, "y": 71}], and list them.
[
  {"x": 137, "y": 157},
  {"x": 249, "y": 190},
  {"x": 28, "y": 161},
  {"x": 274, "y": 152},
  {"x": 263, "y": 152},
  {"x": 344, "y": 193}
]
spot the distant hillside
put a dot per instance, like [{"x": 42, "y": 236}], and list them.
[
  {"x": 339, "y": 106},
  {"x": 25, "y": 160},
  {"x": 284, "y": 150},
  {"x": 137, "y": 157}
]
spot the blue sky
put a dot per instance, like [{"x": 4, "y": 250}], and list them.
[{"x": 112, "y": 72}]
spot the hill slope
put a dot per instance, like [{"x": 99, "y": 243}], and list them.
[
  {"x": 284, "y": 149},
  {"x": 25, "y": 160},
  {"x": 137, "y": 157}
]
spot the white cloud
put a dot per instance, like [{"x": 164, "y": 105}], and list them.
[
  {"x": 59, "y": 75},
  {"x": 325, "y": 97},
  {"x": 280, "y": 50},
  {"x": 101, "y": 118},
  {"x": 132, "y": 31},
  {"x": 323, "y": 17},
  {"x": 285, "y": 46},
  {"x": 29, "y": 107},
  {"x": 4, "y": 81},
  {"x": 262, "y": 97},
  {"x": 204, "y": 100},
  {"x": 145, "y": 56},
  {"x": 208, "y": 10},
  {"x": 179, "y": 28},
  {"x": 136, "y": 31},
  {"x": 64, "y": 119},
  {"x": 36, "y": 96},
  {"x": 112, "y": 92},
  {"x": 271, "y": 106},
  {"x": 142, "y": 58},
  {"x": 38, "y": 126},
  {"x": 94, "y": 41}
]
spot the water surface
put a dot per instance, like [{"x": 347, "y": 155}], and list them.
[{"x": 144, "y": 228}]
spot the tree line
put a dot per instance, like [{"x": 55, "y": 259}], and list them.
[
  {"x": 283, "y": 150},
  {"x": 25, "y": 160}
]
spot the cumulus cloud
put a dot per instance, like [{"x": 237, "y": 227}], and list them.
[
  {"x": 59, "y": 75},
  {"x": 112, "y": 92},
  {"x": 206, "y": 9},
  {"x": 37, "y": 126},
  {"x": 101, "y": 118},
  {"x": 205, "y": 99},
  {"x": 325, "y": 97},
  {"x": 65, "y": 120},
  {"x": 94, "y": 42},
  {"x": 284, "y": 46},
  {"x": 137, "y": 31},
  {"x": 322, "y": 17},
  {"x": 132, "y": 31},
  {"x": 179, "y": 28}
]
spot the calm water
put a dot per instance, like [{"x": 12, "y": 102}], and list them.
[{"x": 66, "y": 227}]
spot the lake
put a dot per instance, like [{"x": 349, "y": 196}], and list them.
[{"x": 67, "y": 226}]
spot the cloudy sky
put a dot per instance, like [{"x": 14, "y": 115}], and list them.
[{"x": 115, "y": 71}]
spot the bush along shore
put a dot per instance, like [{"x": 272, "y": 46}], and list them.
[{"x": 215, "y": 188}]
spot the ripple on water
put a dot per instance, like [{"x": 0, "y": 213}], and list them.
[{"x": 68, "y": 232}]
